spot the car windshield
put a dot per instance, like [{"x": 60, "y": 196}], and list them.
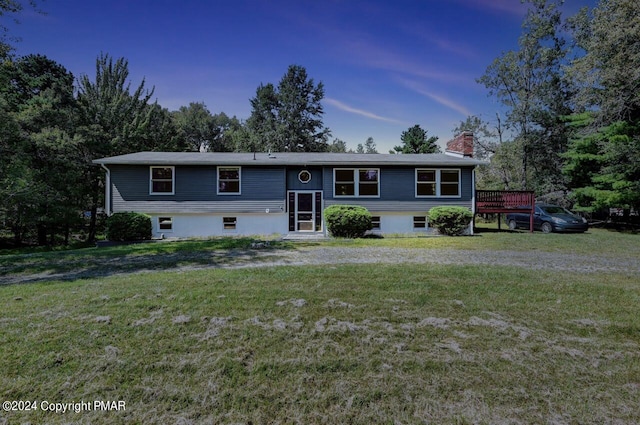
[{"x": 555, "y": 210}]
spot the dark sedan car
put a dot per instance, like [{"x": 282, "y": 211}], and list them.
[{"x": 549, "y": 218}]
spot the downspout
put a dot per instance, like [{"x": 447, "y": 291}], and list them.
[
  {"x": 107, "y": 190},
  {"x": 473, "y": 199}
]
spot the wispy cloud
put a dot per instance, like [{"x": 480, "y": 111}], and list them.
[
  {"x": 344, "y": 107},
  {"x": 445, "y": 101},
  {"x": 368, "y": 53}
]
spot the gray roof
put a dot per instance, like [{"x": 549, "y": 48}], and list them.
[{"x": 287, "y": 158}]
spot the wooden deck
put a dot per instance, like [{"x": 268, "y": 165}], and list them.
[{"x": 504, "y": 202}]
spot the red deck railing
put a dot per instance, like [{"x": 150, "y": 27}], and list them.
[{"x": 505, "y": 201}]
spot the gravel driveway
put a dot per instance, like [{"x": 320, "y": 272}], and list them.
[{"x": 102, "y": 267}]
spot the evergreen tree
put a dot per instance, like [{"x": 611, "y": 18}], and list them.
[
  {"x": 288, "y": 118},
  {"x": 39, "y": 192},
  {"x": 603, "y": 160},
  {"x": 112, "y": 121},
  {"x": 370, "y": 146},
  {"x": 416, "y": 140}
]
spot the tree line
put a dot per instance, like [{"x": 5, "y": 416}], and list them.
[
  {"x": 570, "y": 128},
  {"x": 571, "y": 92},
  {"x": 52, "y": 126}
]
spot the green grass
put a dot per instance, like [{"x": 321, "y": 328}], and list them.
[
  {"x": 337, "y": 344},
  {"x": 166, "y": 255},
  {"x": 385, "y": 344},
  {"x": 594, "y": 242}
]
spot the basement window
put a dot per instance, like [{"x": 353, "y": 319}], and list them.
[
  {"x": 419, "y": 222},
  {"x": 165, "y": 223},
  {"x": 375, "y": 222},
  {"x": 229, "y": 223}
]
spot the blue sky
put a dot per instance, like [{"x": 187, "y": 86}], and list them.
[{"x": 385, "y": 65}]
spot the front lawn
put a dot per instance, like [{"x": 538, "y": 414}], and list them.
[{"x": 337, "y": 344}]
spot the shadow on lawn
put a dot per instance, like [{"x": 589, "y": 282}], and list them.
[{"x": 102, "y": 262}]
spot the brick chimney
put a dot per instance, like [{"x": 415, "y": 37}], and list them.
[{"x": 461, "y": 145}]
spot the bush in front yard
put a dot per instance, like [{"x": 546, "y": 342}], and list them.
[
  {"x": 347, "y": 221},
  {"x": 450, "y": 221},
  {"x": 128, "y": 226}
]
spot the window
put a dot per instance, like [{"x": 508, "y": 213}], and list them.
[
  {"x": 449, "y": 182},
  {"x": 304, "y": 176},
  {"x": 363, "y": 182},
  {"x": 425, "y": 182},
  {"x": 437, "y": 183},
  {"x": 162, "y": 180},
  {"x": 419, "y": 222},
  {"x": 375, "y": 222},
  {"x": 165, "y": 223},
  {"x": 228, "y": 180},
  {"x": 229, "y": 223}
]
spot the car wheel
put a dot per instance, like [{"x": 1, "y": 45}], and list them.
[
  {"x": 513, "y": 225},
  {"x": 546, "y": 227}
]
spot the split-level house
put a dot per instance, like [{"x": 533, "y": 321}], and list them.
[{"x": 194, "y": 194}]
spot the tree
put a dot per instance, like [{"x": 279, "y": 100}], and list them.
[
  {"x": 289, "y": 118},
  {"x": 370, "y": 146},
  {"x": 112, "y": 121},
  {"x": 40, "y": 181},
  {"x": 415, "y": 140},
  {"x": 530, "y": 83},
  {"x": 602, "y": 162},
  {"x": 485, "y": 140},
  {"x": 608, "y": 74},
  {"x": 162, "y": 133},
  {"x": 224, "y": 127},
  {"x": 262, "y": 126},
  {"x": 604, "y": 166},
  {"x": 337, "y": 146},
  {"x": 195, "y": 126}
]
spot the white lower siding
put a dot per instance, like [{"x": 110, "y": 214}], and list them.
[
  {"x": 403, "y": 223},
  {"x": 398, "y": 223},
  {"x": 206, "y": 225}
]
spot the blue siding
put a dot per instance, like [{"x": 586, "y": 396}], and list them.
[
  {"x": 198, "y": 183},
  {"x": 398, "y": 184},
  {"x": 265, "y": 188},
  {"x": 293, "y": 183},
  {"x": 196, "y": 190}
]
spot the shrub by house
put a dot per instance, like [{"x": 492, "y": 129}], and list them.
[
  {"x": 348, "y": 221},
  {"x": 128, "y": 226},
  {"x": 450, "y": 221}
]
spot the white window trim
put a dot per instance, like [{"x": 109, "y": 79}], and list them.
[
  {"x": 239, "y": 192},
  {"x": 173, "y": 180},
  {"x": 438, "y": 183},
  {"x": 356, "y": 183}
]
